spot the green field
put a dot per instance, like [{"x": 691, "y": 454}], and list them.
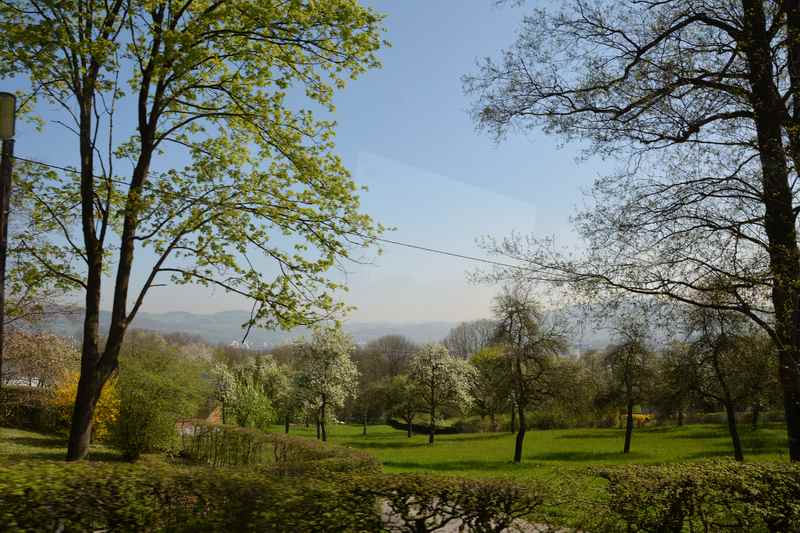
[{"x": 550, "y": 454}]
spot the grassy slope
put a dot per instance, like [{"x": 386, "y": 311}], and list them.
[
  {"x": 548, "y": 454},
  {"x": 17, "y": 445}
]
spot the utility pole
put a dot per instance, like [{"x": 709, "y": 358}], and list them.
[{"x": 8, "y": 106}]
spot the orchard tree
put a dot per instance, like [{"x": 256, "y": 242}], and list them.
[
  {"x": 729, "y": 364},
  {"x": 631, "y": 370},
  {"x": 531, "y": 346},
  {"x": 701, "y": 102},
  {"x": 326, "y": 373},
  {"x": 491, "y": 388},
  {"x": 403, "y": 400},
  {"x": 442, "y": 381},
  {"x": 205, "y": 83}
]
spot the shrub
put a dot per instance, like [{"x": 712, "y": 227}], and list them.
[
  {"x": 50, "y": 496},
  {"x": 711, "y": 496},
  {"x": 417, "y": 503},
  {"x": 27, "y": 408},
  {"x": 220, "y": 445},
  {"x": 156, "y": 386},
  {"x": 105, "y": 413}
]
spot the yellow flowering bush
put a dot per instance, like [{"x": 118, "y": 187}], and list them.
[{"x": 105, "y": 414}]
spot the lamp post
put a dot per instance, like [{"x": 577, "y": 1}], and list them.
[{"x": 8, "y": 106}]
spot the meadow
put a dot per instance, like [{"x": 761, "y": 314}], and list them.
[{"x": 550, "y": 454}]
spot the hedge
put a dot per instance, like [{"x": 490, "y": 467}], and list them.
[
  {"x": 219, "y": 445},
  {"x": 708, "y": 496},
  {"x": 53, "y": 496},
  {"x": 27, "y": 408},
  {"x": 48, "y": 496}
]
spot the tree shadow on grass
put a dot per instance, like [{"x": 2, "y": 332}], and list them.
[
  {"x": 575, "y": 456},
  {"x": 47, "y": 448},
  {"x": 384, "y": 445},
  {"x": 452, "y": 466},
  {"x": 596, "y": 434}
]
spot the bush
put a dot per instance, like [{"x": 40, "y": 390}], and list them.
[
  {"x": 711, "y": 496},
  {"x": 106, "y": 411},
  {"x": 416, "y": 503},
  {"x": 156, "y": 387},
  {"x": 49, "y": 496},
  {"x": 285, "y": 455},
  {"x": 27, "y": 408},
  {"x": 220, "y": 445}
]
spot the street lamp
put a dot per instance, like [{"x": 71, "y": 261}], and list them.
[{"x": 8, "y": 117}]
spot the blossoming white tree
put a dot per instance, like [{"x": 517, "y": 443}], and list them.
[
  {"x": 443, "y": 381},
  {"x": 327, "y": 374}
]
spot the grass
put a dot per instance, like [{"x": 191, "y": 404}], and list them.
[
  {"x": 18, "y": 445},
  {"x": 561, "y": 459},
  {"x": 549, "y": 455}
]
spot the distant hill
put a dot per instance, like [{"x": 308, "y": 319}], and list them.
[{"x": 226, "y": 327}]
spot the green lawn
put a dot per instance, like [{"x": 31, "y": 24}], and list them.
[
  {"x": 550, "y": 454},
  {"x": 19, "y": 445}
]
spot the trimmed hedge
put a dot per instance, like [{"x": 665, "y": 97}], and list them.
[
  {"x": 709, "y": 496},
  {"x": 49, "y": 496},
  {"x": 281, "y": 454},
  {"x": 419, "y": 504}
]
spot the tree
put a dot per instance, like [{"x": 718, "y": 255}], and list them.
[
  {"x": 403, "y": 400},
  {"x": 631, "y": 370},
  {"x": 40, "y": 359},
  {"x": 247, "y": 391},
  {"x": 491, "y": 387},
  {"x": 156, "y": 386},
  {"x": 442, "y": 381},
  {"x": 727, "y": 364},
  {"x": 326, "y": 373},
  {"x": 531, "y": 346},
  {"x": 390, "y": 354},
  {"x": 469, "y": 338},
  {"x": 704, "y": 100},
  {"x": 209, "y": 83}
]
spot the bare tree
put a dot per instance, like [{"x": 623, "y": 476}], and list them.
[
  {"x": 631, "y": 369},
  {"x": 702, "y": 99},
  {"x": 392, "y": 352},
  {"x": 469, "y": 338},
  {"x": 530, "y": 345}
]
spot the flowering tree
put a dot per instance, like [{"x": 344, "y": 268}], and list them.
[
  {"x": 443, "y": 381},
  {"x": 327, "y": 375},
  {"x": 261, "y": 206}
]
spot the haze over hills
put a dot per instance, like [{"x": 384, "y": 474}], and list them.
[{"x": 226, "y": 327}]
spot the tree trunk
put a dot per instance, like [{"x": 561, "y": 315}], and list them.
[
  {"x": 755, "y": 415},
  {"x": 493, "y": 418},
  {"x": 409, "y": 422},
  {"x": 680, "y": 417},
  {"x": 432, "y": 426},
  {"x": 322, "y": 423},
  {"x": 779, "y": 217},
  {"x": 286, "y": 424},
  {"x": 520, "y": 436},
  {"x": 628, "y": 428},
  {"x": 364, "y": 432},
  {"x": 730, "y": 413},
  {"x": 513, "y": 418},
  {"x": 318, "y": 426}
]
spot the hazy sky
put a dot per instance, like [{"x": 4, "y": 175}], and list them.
[{"x": 404, "y": 131}]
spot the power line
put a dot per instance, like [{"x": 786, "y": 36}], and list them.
[{"x": 380, "y": 239}]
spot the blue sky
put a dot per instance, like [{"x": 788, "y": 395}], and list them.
[{"x": 404, "y": 131}]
